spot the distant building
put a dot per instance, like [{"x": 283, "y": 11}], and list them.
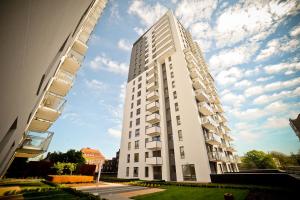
[
  {"x": 295, "y": 124},
  {"x": 93, "y": 157},
  {"x": 111, "y": 166}
]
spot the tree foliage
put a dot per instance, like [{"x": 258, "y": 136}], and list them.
[
  {"x": 284, "y": 159},
  {"x": 62, "y": 167},
  {"x": 258, "y": 160},
  {"x": 71, "y": 156}
]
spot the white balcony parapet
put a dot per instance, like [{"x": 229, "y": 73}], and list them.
[
  {"x": 70, "y": 65},
  {"x": 153, "y": 145},
  {"x": 210, "y": 139},
  {"x": 79, "y": 47},
  {"x": 205, "y": 109},
  {"x": 201, "y": 95},
  {"x": 209, "y": 123},
  {"x": 153, "y": 118},
  {"x": 152, "y": 86},
  {"x": 194, "y": 73},
  {"x": 34, "y": 144},
  {"x": 62, "y": 83},
  {"x": 152, "y": 107},
  {"x": 154, "y": 161},
  {"x": 152, "y": 96},
  {"x": 215, "y": 156},
  {"x": 153, "y": 131},
  {"x": 151, "y": 78},
  {"x": 198, "y": 84},
  {"x": 39, "y": 125}
]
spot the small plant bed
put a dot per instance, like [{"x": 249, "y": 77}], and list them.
[{"x": 194, "y": 193}]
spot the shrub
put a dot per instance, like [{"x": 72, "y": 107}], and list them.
[{"x": 70, "y": 179}]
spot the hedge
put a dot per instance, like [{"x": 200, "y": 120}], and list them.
[{"x": 70, "y": 179}]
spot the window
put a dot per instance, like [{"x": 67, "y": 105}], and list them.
[
  {"x": 138, "y": 102},
  {"x": 140, "y": 78},
  {"x": 128, "y": 158},
  {"x": 139, "y": 85},
  {"x": 136, "y": 157},
  {"x": 180, "y": 135},
  {"x": 129, "y": 145},
  {"x": 137, "y": 132},
  {"x": 171, "y": 66},
  {"x": 138, "y": 111},
  {"x": 173, "y": 84},
  {"x": 175, "y": 95},
  {"x": 172, "y": 74},
  {"x": 156, "y": 153},
  {"x": 135, "y": 172},
  {"x": 176, "y": 107},
  {"x": 132, "y": 97},
  {"x": 137, "y": 121},
  {"x": 131, "y": 105},
  {"x": 127, "y": 171},
  {"x": 181, "y": 149},
  {"x": 146, "y": 155},
  {"x": 136, "y": 144},
  {"x": 132, "y": 89},
  {"x": 131, "y": 114},
  {"x": 129, "y": 134},
  {"x": 178, "y": 120},
  {"x": 146, "y": 171},
  {"x": 130, "y": 124},
  {"x": 188, "y": 172},
  {"x": 139, "y": 93},
  {"x": 169, "y": 59},
  {"x": 134, "y": 82}
]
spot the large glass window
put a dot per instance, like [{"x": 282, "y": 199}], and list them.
[
  {"x": 146, "y": 171},
  {"x": 188, "y": 172},
  {"x": 180, "y": 135},
  {"x": 136, "y": 157},
  {"x": 127, "y": 171},
  {"x": 128, "y": 158},
  {"x": 135, "y": 171},
  {"x": 181, "y": 148},
  {"x": 136, "y": 144}
]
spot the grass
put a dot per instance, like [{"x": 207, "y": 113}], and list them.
[{"x": 194, "y": 193}]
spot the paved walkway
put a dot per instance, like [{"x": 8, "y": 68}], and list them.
[{"x": 113, "y": 191}]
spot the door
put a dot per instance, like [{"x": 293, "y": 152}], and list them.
[{"x": 157, "y": 173}]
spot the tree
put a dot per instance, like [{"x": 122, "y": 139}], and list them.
[
  {"x": 284, "y": 159},
  {"x": 71, "y": 167},
  {"x": 59, "y": 167},
  {"x": 71, "y": 156},
  {"x": 258, "y": 160}
]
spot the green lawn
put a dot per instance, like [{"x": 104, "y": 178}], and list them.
[{"x": 194, "y": 193}]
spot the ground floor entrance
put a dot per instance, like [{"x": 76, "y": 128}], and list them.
[{"x": 157, "y": 174}]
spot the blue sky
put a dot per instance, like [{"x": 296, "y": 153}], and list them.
[{"x": 251, "y": 48}]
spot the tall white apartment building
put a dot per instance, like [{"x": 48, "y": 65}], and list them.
[
  {"x": 42, "y": 46},
  {"x": 174, "y": 126}
]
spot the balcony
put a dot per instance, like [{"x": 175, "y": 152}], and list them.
[
  {"x": 201, "y": 96},
  {"x": 153, "y": 118},
  {"x": 190, "y": 58},
  {"x": 219, "y": 108},
  {"x": 198, "y": 84},
  {"x": 153, "y": 131},
  {"x": 154, "y": 161},
  {"x": 84, "y": 36},
  {"x": 194, "y": 73},
  {"x": 152, "y": 96},
  {"x": 70, "y": 65},
  {"x": 209, "y": 123},
  {"x": 221, "y": 130},
  {"x": 79, "y": 47},
  {"x": 223, "y": 118},
  {"x": 227, "y": 137},
  {"x": 39, "y": 125},
  {"x": 151, "y": 78},
  {"x": 76, "y": 56},
  {"x": 226, "y": 127},
  {"x": 205, "y": 109},
  {"x": 62, "y": 83},
  {"x": 214, "y": 156},
  {"x": 210, "y": 139},
  {"x": 230, "y": 148},
  {"x": 152, "y": 107},
  {"x": 153, "y": 145},
  {"x": 152, "y": 70},
  {"x": 34, "y": 144},
  {"x": 152, "y": 86}
]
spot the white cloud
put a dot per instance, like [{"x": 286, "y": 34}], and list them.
[
  {"x": 278, "y": 46},
  {"x": 124, "y": 45},
  {"x": 276, "y": 123},
  {"x": 252, "y": 19},
  {"x": 104, "y": 63},
  {"x": 190, "y": 12},
  {"x": 233, "y": 99},
  {"x": 295, "y": 31},
  {"x": 139, "y": 31},
  {"x": 291, "y": 66},
  {"x": 95, "y": 84},
  {"x": 230, "y": 57},
  {"x": 263, "y": 99},
  {"x": 243, "y": 84},
  {"x": 263, "y": 79},
  {"x": 227, "y": 77},
  {"x": 202, "y": 33},
  {"x": 114, "y": 10},
  {"x": 148, "y": 14},
  {"x": 252, "y": 72},
  {"x": 114, "y": 132},
  {"x": 259, "y": 89}
]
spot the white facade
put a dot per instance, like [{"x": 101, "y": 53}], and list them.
[
  {"x": 172, "y": 104},
  {"x": 42, "y": 48}
]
